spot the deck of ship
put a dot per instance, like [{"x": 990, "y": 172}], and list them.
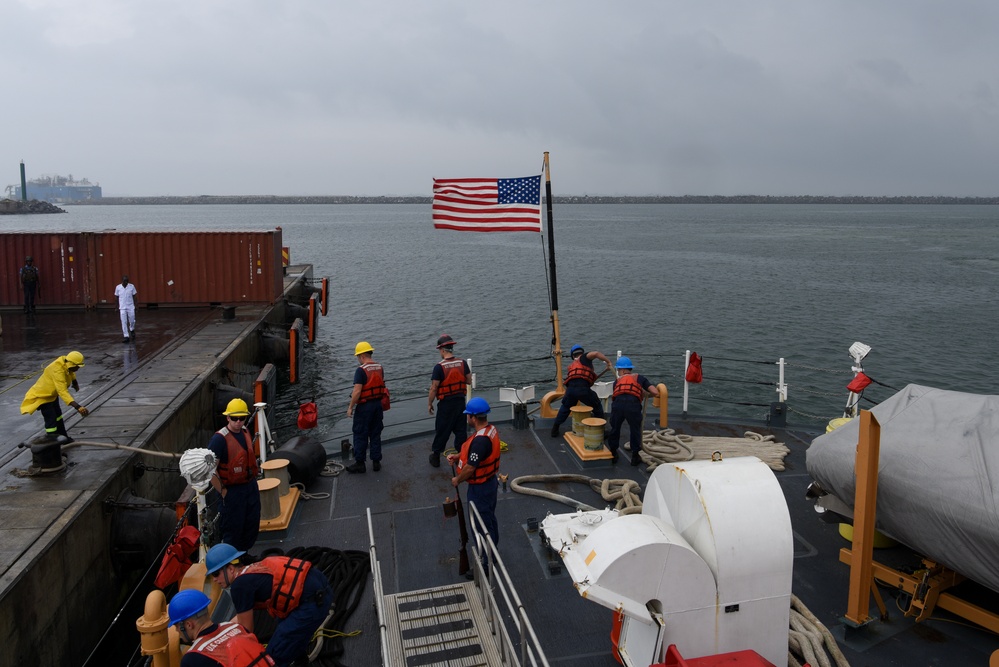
[{"x": 418, "y": 549}]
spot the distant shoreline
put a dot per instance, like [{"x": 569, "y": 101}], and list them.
[{"x": 685, "y": 199}]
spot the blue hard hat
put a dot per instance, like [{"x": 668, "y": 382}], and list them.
[
  {"x": 477, "y": 406},
  {"x": 221, "y": 555},
  {"x": 186, "y": 604},
  {"x": 575, "y": 349},
  {"x": 623, "y": 362}
]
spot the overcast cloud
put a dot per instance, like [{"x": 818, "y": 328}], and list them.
[{"x": 319, "y": 97}]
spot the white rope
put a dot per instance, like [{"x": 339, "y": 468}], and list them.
[
  {"x": 667, "y": 446},
  {"x": 197, "y": 466},
  {"x": 809, "y": 639}
]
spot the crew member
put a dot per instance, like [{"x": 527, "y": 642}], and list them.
[
  {"x": 290, "y": 589},
  {"x": 236, "y": 477},
  {"x": 579, "y": 385},
  {"x": 477, "y": 463},
  {"x": 448, "y": 383},
  {"x": 626, "y": 406},
  {"x": 54, "y": 384},
  {"x": 366, "y": 407},
  {"x": 28, "y": 275},
  {"x": 125, "y": 293},
  {"x": 212, "y": 644}
]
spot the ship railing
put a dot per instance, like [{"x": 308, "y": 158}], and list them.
[
  {"x": 376, "y": 577},
  {"x": 498, "y": 581}
]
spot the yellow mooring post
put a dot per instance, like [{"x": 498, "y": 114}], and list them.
[{"x": 864, "y": 511}]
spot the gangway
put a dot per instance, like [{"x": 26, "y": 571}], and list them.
[{"x": 457, "y": 624}]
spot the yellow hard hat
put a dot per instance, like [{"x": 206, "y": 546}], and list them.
[
  {"x": 236, "y": 408},
  {"x": 75, "y": 358},
  {"x": 362, "y": 347}
]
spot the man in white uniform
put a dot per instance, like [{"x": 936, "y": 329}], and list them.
[{"x": 125, "y": 293}]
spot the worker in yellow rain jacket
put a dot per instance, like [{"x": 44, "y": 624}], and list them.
[{"x": 54, "y": 384}]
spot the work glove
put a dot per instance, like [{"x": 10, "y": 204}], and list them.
[{"x": 83, "y": 411}]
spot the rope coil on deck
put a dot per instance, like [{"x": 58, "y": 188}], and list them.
[
  {"x": 625, "y": 493},
  {"x": 667, "y": 446},
  {"x": 809, "y": 641}
]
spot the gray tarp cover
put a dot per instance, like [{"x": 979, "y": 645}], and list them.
[{"x": 938, "y": 475}]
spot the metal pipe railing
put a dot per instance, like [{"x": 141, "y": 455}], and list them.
[{"x": 376, "y": 578}]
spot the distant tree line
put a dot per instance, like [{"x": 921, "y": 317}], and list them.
[{"x": 570, "y": 199}]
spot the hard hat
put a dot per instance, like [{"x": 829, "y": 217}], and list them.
[
  {"x": 237, "y": 408},
  {"x": 362, "y": 347},
  {"x": 623, "y": 362},
  {"x": 75, "y": 358},
  {"x": 445, "y": 341},
  {"x": 29, "y": 258},
  {"x": 477, "y": 406},
  {"x": 575, "y": 349},
  {"x": 221, "y": 555},
  {"x": 187, "y": 603}
]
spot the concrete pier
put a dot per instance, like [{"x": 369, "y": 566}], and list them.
[{"x": 60, "y": 583}]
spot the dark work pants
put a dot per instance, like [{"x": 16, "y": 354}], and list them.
[
  {"x": 584, "y": 395},
  {"x": 293, "y": 633},
  {"x": 29, "y": 296},
  {"x": 368, "y": 426},
  {"x": 626, "y": 411},
  {"x": 450, "y": 418},
  {"x": 241, "y": 515},
  {"x": 52, "y": 414},
  {"x": 483, "y": 496}
]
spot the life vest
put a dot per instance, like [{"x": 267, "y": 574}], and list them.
[
  {"x": 487, "y": 468},
  {"x": 287, "y": 583},
  {"x": 231, "y": 646},
  {"x": 177, "y": 558},
  {"x": 629, "y": 385},
  {"x": 29, "y": 274},
  {"x": 580, "y": 371},
  {"x": 241, "y": 466},
  {"x": 374, "y": 388},
  {"x": 453, "y": 383}
]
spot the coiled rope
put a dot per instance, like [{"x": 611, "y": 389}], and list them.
[
  {"x": 809, "y": 641},
  {"x": 624, "y": 493},
  {"x": 667, "y": 446}
]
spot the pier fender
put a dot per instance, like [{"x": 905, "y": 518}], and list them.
[
  {"x": 306, "y": 458},
  {"x": 139, "y": 529},
  {"x": 274, "y": 346}
]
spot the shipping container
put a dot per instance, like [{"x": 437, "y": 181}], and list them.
[{"x": 167, "y": 268}]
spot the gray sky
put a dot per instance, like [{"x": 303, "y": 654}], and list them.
[{"x": 313, "y": 97}]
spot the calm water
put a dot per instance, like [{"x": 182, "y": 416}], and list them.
[{"x": 738, "y": 284}]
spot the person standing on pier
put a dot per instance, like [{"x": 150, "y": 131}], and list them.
[
  {"x": 477, "y": 463},
  {"x": 28, "y": 276},
  {"x": 290, "y": 589},
  {"x": 54, "y": 384},
  {"x": 366, "y": 407},
  {"x": 125, "y": 293},
  {"x": 579, "y": 385},
  {"x": 448, "y": 382},
  {"x": 236, "y": 477},
  {"x": 212, "y": 644},
  {"x": 629, "y": 394}
]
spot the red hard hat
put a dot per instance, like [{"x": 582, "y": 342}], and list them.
[{"x": 445, "y": 341}]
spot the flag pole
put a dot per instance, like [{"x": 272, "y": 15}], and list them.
[{"x": 556, "y": 337}]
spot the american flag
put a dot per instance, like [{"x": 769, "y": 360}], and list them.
[{"x": 488, "y": 204}]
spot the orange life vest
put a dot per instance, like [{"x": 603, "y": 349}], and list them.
[
  {"x": 580, "y": 371},
  {"x": 374, "y": 388},
  {"x": 487, "y": 468},
  {"x": 629, "y": 385},
  {"x": 453, "y": 383},
  {"x": 232, "y": 646},
  {"x": 241, "y": 466},
  {"x": 287, "y": 583}
]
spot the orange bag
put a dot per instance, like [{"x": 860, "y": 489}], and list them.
[
  {"x": 694, "y": 373},
  {"x": 308, "y": 416}
]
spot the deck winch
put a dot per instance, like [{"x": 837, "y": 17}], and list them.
[{"x": 706, "y": 565}]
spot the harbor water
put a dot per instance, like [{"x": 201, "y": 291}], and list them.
[{"x": 742, "y": 285}]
